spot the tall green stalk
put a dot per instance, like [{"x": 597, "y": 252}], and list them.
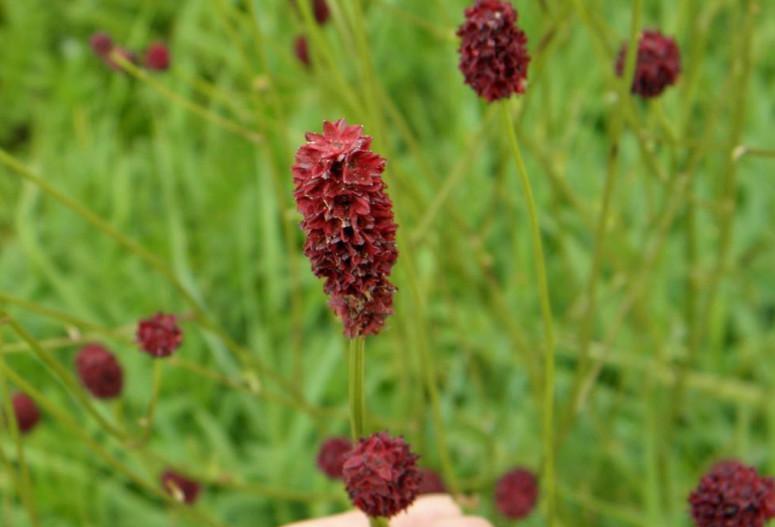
[
  {"x": 356, "y": 359},
  {"x": 546, "y": 314}
]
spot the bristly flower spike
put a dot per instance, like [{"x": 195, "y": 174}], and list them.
[{"x": 348, "y": 223}]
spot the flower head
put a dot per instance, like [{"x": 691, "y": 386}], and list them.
[
  {"x": 101, "y": 44},
  {"x": 301, "y": 49},
  {"x": 180, "y": 487},
  {"x": 157, "y": 57},
  {"x": 159, "y": 335},
  {"x": 381, "y": 475},
  {"x": 516, "y": 493},
  {"x": 99, "y": 371},
  {"x": 26, "y": 412},
  {"x": 493, "y": 50},
  {"x": 348, "y": 222},
  {"x": 332, "y": 454},
  {"x": 319, "y": 9},
  {"x": 732, "y": 494},
  {"x": 431, "y": 482},
  {"x": 657, "y": 66}
]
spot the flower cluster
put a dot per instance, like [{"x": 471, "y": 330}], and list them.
[
  {"x": 348, "y": 223},
  {"x": 99, "y": 371},
  {"x": 156, "y": 57},
  {"x": 493, "y": 50},
  {"x": 657, "y": 66},
  {"x": 332, "y": 454},
  {"x": 430, "y": 482},
  {"x": 159, "y": 335},
  {"x": 381, "y": 475},
  {"x": 516, "y": 493},
  {"x": 732, "y": 494}
]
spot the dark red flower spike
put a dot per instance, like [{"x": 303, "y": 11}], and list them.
[
  {"x": 431, "y": 482},
  {"x": 332, "y": 454},
  {"x": 159, "y": 335},
  {"x": 180, "y": 487},
  {"x": 301, "y": 50},
  {"x": 732, "y": 494},
  {"x": 99, "y": 371},
  {"x": 101, "y": 44},
  {"x": 157, "y": 57},
  {"x": 381, "y": 475},
  {"x": 25, "y": 411},
  {"x": 516, "y": 493},
  {"x": 320, "y": 10},
  {"x": 348, "y": 223},
  {"x": 493, "y": 50},
  {"x": 657, "y": 66}
]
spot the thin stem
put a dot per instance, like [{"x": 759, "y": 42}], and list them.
[
  {"x": 356, "y": 358},
  {"x": 546, "y": 313},
  {"x": 147, "y": 421}
]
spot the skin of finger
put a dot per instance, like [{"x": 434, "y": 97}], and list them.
[
  {"x": 423, "y": 512},
  {"x": 466, "y": 521}
]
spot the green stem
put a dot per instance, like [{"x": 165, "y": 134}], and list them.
[
  {"x": 546, "y": 313},
  {"x": 356, "y": 358}
]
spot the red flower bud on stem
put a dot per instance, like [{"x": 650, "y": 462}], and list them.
[
  {"x": 657, "y": 66},
  {"x": 159, "y": 335},
  {"x": 180, "y": 487},
  {"x": 516, "y": 493},
  {"x": 25, "y": 411},
  {"x": 99, "y": 371},
  {"x": 332, "y": 454}
]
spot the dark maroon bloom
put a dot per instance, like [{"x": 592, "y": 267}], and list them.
[
  {"x": 180, "y": 487},
  {"x": 26, "y": 412},
  {"x": 332, "y": 454},
  {"x": 516, "y": 493},
  {"x": 99, "y": 371},
  {"x": 319, "y": 9},
  {"x": 348, "y": 222},
  {"x": 381, "y": 475},
  {"x": 301, "y": 49},
  {"x": 159, "y": 335},
  {"x": 493, "y": 50},
  {"x": 733, "y": 495},
  {"x": 657, "y": 66},
  {"x": 157, "y": 57},
  {"x": 101, "y": 44},
  {"x": 431, "y": 482}
]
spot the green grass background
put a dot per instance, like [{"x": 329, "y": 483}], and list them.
[{"x": 681, "y": 333}]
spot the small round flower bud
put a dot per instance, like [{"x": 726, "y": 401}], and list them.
[
  {"x": 157, "y": 57},
  {"x": 493, "y": 50},
  {"x": 381, "y": 475},
  {"x": 431, "y": 482},
  {"x": 159, "y": 335},
  {"x": 516, "y": 493},
  {"x": 99, "y": 371},
  {"x": 332, "y": 454},
  {"x": 657, "y": 66},
  {"x": 180, "y": 487},
  {"x": 101, "y": 44},
  {"x": 26, "y": 412},
  {"x": 732, "y": 494}
]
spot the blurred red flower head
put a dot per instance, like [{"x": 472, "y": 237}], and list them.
[
  {"x": 732, "y": 494},
  {"x": 657, "y": 66},
  {"x": 431, "y": 482},
  {"x": 159, "y": 335},
  {"x": 99, "y": 371},
  {"x": 516, "y": 493},
  {"x": 332, "y": 454},
  {"x": 157, "y": 57},
  {"x": 301, "y": 49},
  {"x": 26, "y": 412},
  {"x": 180, "y": 487}
]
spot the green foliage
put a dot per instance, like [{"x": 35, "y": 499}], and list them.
[{"x": 670, "y": 367}]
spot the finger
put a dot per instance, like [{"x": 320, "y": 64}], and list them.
[
  {"x": 464, "y": 521},
  {"x": 426, "y": 510},
  {"x": 348, "y": 519}
]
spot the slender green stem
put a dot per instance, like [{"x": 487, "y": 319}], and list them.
[
  {"x": 356, "y": 358},
  {"x": 546, "y": 313},
  {"x": 147, "y": 421}
]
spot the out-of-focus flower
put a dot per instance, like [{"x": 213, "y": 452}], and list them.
[
  {"x": 332, "y": 454},
  {"x": 658, "y": 64},
  {"x": 301, "y": 49},
  {"x": 157, "y": 57},
  {"x": 180, "y": 487},
  {"x": 516, "y": 493},
  {"x": 159, "y": 335},
  {"x": 431, "y": 482},
  {"x": 100, "y": 371},
  {"x": 26, "y": 412}
]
